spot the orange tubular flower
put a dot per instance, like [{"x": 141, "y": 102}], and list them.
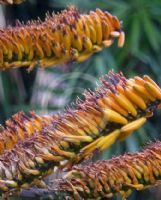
[
  {"x": 61, "y": 38},
  {"x": 37, "y": 144},
  {"x": 120, "y": 175}
]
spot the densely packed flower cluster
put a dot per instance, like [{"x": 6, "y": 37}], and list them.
[
  {"x": 61, "y": 38},
  {"x": 32, "y": 146},
  {"x": 120, "y": 175},
  {"x": 20, "y": 127}
]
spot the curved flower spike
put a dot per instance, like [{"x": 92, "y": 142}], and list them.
[
  {"x": 35, "y": 145},
  {"x": 61, "y": 38},
  {"x": 120, "y": 175},
  {"x": 117, "y": 103}
]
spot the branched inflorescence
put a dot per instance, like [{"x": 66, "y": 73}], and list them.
[
  {"x": 11, "y": 1},
  {"x": 37, "y": 144},
  {"x": 119, "y": 175},
  {"x": 61, "y": 38}
]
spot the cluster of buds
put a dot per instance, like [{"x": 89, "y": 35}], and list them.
[
  {"x": 11, "y": 1},
  {"x": 61, "y": 38},
  {"x": 20, "y": 127},
  {"x": 38, "y": 144},
  {"x": 120, "y": 175}
]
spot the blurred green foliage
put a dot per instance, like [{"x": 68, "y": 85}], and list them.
[{"x": 52, "y": 90}]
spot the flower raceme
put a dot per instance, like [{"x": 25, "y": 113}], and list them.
[
  {"x": 118, "y": 102},
  {"x": 61, "y": 38},
  {"x": 35, "y": 145},
  {"x": 120, "y": 175}
]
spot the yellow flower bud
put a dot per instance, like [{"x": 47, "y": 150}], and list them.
[{"x": 61, "y": 38}]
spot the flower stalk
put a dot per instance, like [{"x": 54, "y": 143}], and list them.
[{"x": 61, "y": 38}]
